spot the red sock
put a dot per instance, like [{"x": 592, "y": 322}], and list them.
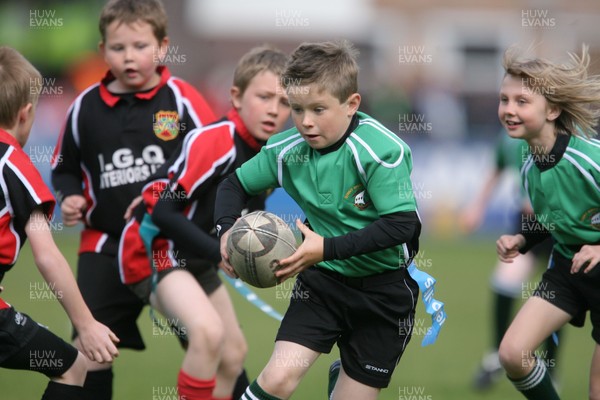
[{"x": 191, "y": 388}]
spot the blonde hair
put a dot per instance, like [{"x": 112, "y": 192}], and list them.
[
  {"x": 130, "y": 11},
  {"x": 20, "y": 84},
  {"x": 255, "y": 61},
  {"x": 565, "y": 86},
  {"x": 330, "y": 66}
]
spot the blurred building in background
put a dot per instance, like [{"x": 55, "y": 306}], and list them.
[{"x": 430, "y": 69}]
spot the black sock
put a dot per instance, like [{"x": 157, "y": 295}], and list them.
[
  {"x": 502, "y": 312},
  {"x": 240, "y": 385},
  {"x": 60, "y": 391},
  {"x": 98, "y": 385}
]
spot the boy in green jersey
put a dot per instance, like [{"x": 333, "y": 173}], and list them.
[
  {"x": 509, "y": 281},
  {"x": 554, "y": 109},
  {"x": 351, "y": 177}
]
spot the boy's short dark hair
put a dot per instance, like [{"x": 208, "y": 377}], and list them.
[
  {"x": 257, "y": 60},
  {"x": 330, "y": 66},
  {"x": 20, "y": 84},
  {"x": 129, "y": 11}
]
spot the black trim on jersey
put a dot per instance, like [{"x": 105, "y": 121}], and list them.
[
  {"x": 533, "y": 235},
  {"x": 390, "y": 230},
  {"x": 546, "y": 161},
  {"x": 353, "y": 125},
  {"x": 169, "y": 217},
  {"x": 537, "y": 233},
  {"x": 231, "y": 198}
]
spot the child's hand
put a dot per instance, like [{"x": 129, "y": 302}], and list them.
[
  {"x": 97, "y": 342},
  {"x": 309, "y": 253},
  {"x": 508, "y": 247},
  {"x": 72, "y": 209},
  {"x": 589, "y": 255},
  {"x": 224, "y": 264},
  {"x": 131, "y": 207}
]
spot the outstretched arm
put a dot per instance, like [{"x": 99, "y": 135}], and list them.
[{"x": 98, "y": 342}]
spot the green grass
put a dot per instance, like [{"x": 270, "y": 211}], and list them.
[{"x": 439, "y": 372}]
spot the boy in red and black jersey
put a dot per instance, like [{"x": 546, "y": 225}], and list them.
[
  {"x": 182, "y": 281},
  {"x": 26, "y": 204},
  {"x": 118, "y": 133}
]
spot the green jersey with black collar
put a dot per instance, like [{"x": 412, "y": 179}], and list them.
[
  {"x": 564, "y": 189},
  {"x": 342, "y": 189}
]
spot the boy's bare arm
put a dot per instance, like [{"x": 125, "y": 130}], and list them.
[{"x": 98, "y": 342}]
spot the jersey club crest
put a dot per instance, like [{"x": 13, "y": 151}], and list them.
[{"x": 166, "y": 125}]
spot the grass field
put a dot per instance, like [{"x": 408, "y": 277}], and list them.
[{"x": 439, "y": 372}]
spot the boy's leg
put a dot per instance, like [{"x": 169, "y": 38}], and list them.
[
  {"x": 348, "y": 388},
  {"x": 180, "y": 298},
  {"x": 284, "y": 371},
  {"x": 35, "y": 348},
  {"x": 507, "y": 286},
  {"x": 536, "y": 320},
  {"x": 595, "y": 375},
  {"x": 112, "y": 304},
  {"x": 234, "y": 345}
]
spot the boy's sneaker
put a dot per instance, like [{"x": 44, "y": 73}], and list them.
[
  {"x": 334, "y": 373},
  {"x": 490, "y": 371}
]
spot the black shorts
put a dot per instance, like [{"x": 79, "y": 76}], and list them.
[
  {"x": 25, "y": 345},
  {"x": 204, "y": 272},
  {"x": 110, "y": 301},
  {"x": 366, "y": 317},
  {"x": 574, "y": 294}
]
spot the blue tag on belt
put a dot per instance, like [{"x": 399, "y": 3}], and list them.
[{"x": 434, "y": 307}]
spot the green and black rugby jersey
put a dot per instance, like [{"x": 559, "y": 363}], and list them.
[
  {"x": 564, "y": 189},
  {"x": 343, "y": 190}
]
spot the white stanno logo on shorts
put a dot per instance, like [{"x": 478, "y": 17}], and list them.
[{"x": 377, "y": 369}]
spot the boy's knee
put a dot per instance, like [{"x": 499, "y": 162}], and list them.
[
  {"x": 206, "y": 337},
  {"x": 232, "y": 359},
  {"x": 511, "y": 357},
  {"x": 75, "y": 375},
  {"x": 279, "y": 382}
]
